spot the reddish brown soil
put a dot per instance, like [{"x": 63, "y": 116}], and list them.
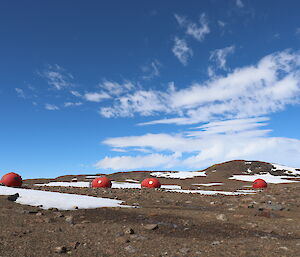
[{"x": 264, "y": 224}]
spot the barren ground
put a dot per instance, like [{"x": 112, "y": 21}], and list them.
[{"x": 164, "y": 224}]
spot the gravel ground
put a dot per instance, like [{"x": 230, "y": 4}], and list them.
[{"x": 163, "y": 224}]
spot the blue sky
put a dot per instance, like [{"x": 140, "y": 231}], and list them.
[{"x": 104, "y": 86}]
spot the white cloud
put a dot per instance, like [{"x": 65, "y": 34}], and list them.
[
  {"x": 151, "y": 70},
  {"x": 222, "y": 24},
  {"x": 251, "y": 91},
  {"x": 137, "y": 162},
  {"x": 114, "y": 88},
  {"x": 209, "y": 144},
  {"x": 57, "y": 77},
  {"x": 75, "y": 93},
  {"x": 51, "y": 107},
  {"x": 239, "y": 3},
  {"x": 144, "y": 102},
  {"x": 182, "y": 51},
  {"x": 197, "y": 31},
  {"x": 71, "y": 104},
  {"x": 96, "y": 97},
  {"x": 20, "y": 92},
  {"x": 297, "y": 32},
  {"x": 220, "y": 55}
]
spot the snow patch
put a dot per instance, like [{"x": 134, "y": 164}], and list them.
[
  {"x": 290, "y": 170},
  {"x": 91, "y": 177},
  {"x": 66, "y": 184},
  {"x": 208, "y": 184},
  {"x": 61, "y": 201},
  {"x": 207, "y": 192},
  {"x": 179, "y": 174},
  {"x": 267, "y": 177},
  {"x": 120, "y": 185},
  {"x": 132, "y": 180}
]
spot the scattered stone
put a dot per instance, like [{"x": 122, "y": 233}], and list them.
[
  {"x": 120, "y": 234},
  {"x": 39, "y": 214},
  {"x": 138, "y": 237},
  {"x": 49, "y": 220},
  {"x": 60, "y": 249},
  {"x": 221, "y": 217},
  {"x": 184, "y": 250},
  {"x": 129, "y": 231},
  {"x": 70, "y": 220},
  {"x": 59, "y": 215},
  {"x": 216, "y": 243},
  {"x": 13, "y": 198},
  {"x": 130, "y": 249},
  {"x": 53, "y": 209},
  {"x": 151, "y": 226},
  {"x": 275, "y": 207},
  {"x": 33, "y": 211},
  {"x": 283, "y": 248},
  {"x": 266, "y": 214},
  {"x": 122, "y": 240}
]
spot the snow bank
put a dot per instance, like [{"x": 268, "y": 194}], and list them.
[
  {"x": 290, "y": 170},
  {"x": 208, "y": 184},
  {"x": 120, "y": 185},
  {"x": 207, "y": 192},
  {"x": 57, "y": 200},
  {"x": 179, "y": 175},
  {"x": 267, "y": 177}
]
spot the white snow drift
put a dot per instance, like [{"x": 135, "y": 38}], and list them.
[
  {"x": 61, "y": 201},
  {"x": 120, "y": 185},
  {"x": 266, "y": 177},
  {"x": 179, "y": 174}
]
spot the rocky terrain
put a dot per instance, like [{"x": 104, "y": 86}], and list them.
[{"x": 191, "y": 221}]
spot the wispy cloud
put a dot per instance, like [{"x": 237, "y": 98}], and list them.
[
  {"x": 136, "y": 162},
  {"x": 57, "y": 77},
  {"x": 239, "y": 3},
  {"x": 75, "y": 93},
  {"x": 151, "y": 70},
  {"x": 96, "y": 96},
  {"x": 196, "y": 30},
  {"x": 20, "y": 92},
  {"x": 222, "y": 24},
  {"x": 219, "y": 56},
  {"x": 114, "y": 88},
  {"x": 144, "y": 102},
  {"x": 269, "y": 86},
  {"x": 182, "y": 51},
  {"x": 205, "y": 145},
  {"x": 51, "y": 107},
  {"x": 72, "y": 104},
  {"x": 297, "y": 31}
]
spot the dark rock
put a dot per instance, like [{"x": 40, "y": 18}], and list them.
[
  {"x": 33, "y": 211},
  {"x": 13, "y": 197},
  {"x": 53, "y": 209}
]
